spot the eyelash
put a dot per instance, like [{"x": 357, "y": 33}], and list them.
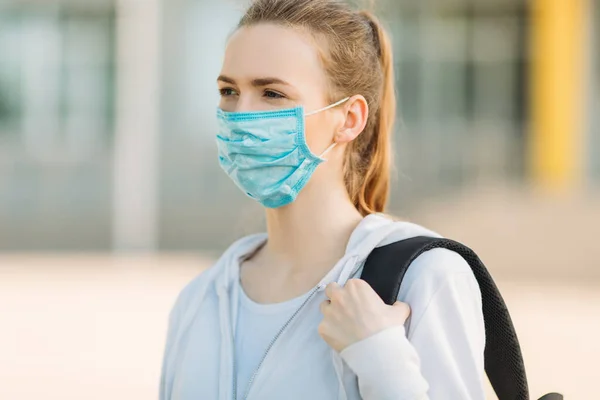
[
  {"x": 277, "y": 95},
  {"x": 224, "y": 92}
]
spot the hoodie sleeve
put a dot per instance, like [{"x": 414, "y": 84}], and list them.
[{"x": 440, "y": 353}]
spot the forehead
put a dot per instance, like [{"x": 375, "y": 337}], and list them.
[{"x": 268, "y": 50}]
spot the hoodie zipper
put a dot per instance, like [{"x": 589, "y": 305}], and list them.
[{"x": 271, "y": 344}]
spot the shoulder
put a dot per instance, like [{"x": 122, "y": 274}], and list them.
[
  {"x": 435, "y": 269},
  {"x": 437, "y": 266},
  {"x": 220, "y": 271},
  {"x": 441, "y": 286},
  {"x": 190, "y": 294},
  {"x": 439, "y": 279},
  {"x": 192, "y": 287}
]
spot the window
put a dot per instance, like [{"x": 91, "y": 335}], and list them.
[{"x": 56, "y": 80}]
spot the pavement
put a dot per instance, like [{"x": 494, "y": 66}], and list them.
[{"x": 93, "y": 327}]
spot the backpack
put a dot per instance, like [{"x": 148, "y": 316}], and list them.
[{"x": 384, "y": 270}]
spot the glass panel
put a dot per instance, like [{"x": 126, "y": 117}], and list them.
[
  {"x": 40, "y": 64},
  {"x": 56, "y": 118},
  {"x": 87, "y": 97},
  {"x": 10, "y": 76}
]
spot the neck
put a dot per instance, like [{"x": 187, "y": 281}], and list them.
[{"x": 313, "y": 231}]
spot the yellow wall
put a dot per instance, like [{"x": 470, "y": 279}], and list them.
[{"x": 559, "y": 31}]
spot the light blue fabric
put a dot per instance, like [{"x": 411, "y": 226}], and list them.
[{"x": 265, "y": 153}]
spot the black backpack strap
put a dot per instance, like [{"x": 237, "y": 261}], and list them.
[{"x": 384, "y": 270}]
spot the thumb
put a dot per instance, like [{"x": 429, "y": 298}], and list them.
[{"x": 402, "y": 308}]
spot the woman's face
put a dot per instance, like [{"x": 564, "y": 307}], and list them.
[{"x": 269, "y": 67}]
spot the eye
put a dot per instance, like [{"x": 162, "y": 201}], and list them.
[
  {"x": 225, "y": 92},
  {"x": 273, "y": 95}
]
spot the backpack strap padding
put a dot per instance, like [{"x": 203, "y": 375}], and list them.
[
  {"x": 384, "y": 270},
  {"x": 552, "y": 396}
]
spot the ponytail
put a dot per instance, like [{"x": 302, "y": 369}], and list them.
[{"x": 373, "y": 193}]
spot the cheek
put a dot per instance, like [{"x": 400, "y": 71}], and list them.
[{"x": 319, "y": 130}]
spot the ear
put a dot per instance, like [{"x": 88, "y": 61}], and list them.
[{"x": 356, "y": 112}]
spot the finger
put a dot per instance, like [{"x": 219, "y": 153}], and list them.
[
  {"x": 357, "y": 283},
  {"x": 322, "y": 330},
  {"x": 325, "y": 306},
  {"x": 327, "y": 334},
  {"x": 363, "y": 289},
  {"x": 402, "y": 309},
  {"x": 332, "y": 290}
]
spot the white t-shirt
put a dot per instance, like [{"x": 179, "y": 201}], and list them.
[{"x": 257, "y": 325}]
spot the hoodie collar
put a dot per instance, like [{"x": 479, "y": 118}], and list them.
[{"x": 369, "y": 233}]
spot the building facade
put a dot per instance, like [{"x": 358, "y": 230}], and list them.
[{"x": 107, "y": 113}]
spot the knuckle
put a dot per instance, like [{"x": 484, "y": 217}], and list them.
[
  {"x": 321, "y": 329},
  {"x": 352, "y": 282},
  {"x": 336, "y": 296},
  {"x": 330, "y": 289},
  {"x": 405, "y": 309},
  {"x": 357, "y": 283},
  {"x": 340, "y": 302}
]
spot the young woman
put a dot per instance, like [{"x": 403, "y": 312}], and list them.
[{"x": 305, "y": 118}]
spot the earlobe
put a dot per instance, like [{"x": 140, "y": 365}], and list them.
[
  {"x": 341, "y": 137},
  {"x": 345, "y": 135}
]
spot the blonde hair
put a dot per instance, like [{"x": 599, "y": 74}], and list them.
[{"x": 357, "y": 57}]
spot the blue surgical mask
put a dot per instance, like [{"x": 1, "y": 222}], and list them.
[{"x": 265, "y": 153}]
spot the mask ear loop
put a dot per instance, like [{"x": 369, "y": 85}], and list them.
[
  {"x": 328, "y": 107},
  {"x": 327, "y": 150}
]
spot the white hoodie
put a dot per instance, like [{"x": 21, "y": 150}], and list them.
[{"x": 437, "y": 354}]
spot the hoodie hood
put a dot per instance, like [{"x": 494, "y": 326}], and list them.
[{"x": 373, "y": 231}]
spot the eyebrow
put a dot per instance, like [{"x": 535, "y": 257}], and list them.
[{"x": 258, "y": 82}]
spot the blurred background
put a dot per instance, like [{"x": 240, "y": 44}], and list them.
[{"x": 111, "y": 198}]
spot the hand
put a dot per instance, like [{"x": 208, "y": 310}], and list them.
[{"x": 355, "y": 312}]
